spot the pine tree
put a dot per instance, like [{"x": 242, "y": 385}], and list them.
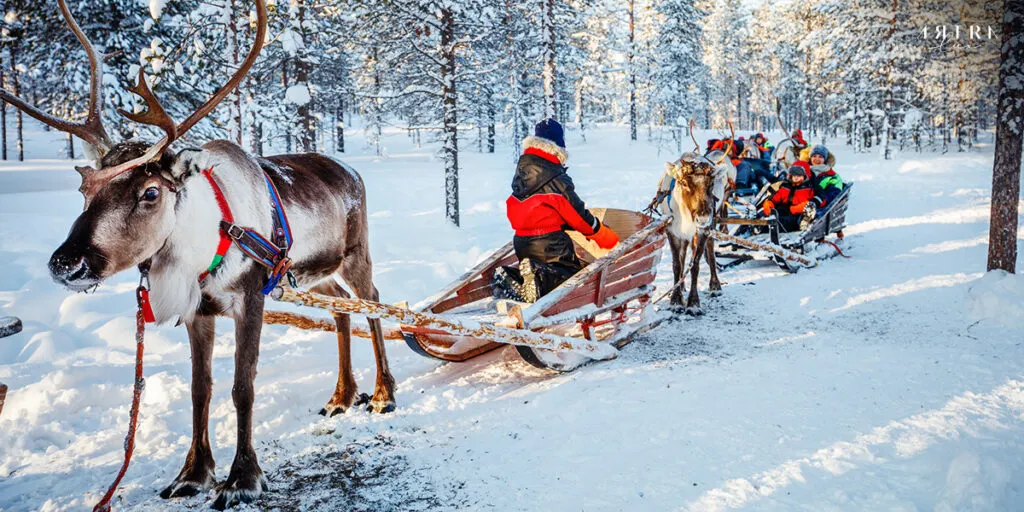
[{"x": 1002, "y": 245}]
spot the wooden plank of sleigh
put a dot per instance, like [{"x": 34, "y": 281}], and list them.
[{"x": 605, "y": 286}]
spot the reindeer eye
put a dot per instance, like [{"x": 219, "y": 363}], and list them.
[{"x": 151, "y": 194}]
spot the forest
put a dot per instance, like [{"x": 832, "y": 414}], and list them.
[{"x": 882, "y": 75}]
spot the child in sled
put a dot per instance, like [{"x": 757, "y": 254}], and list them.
[
  {"x": 794, "y": 203},
  {"x": 542, "y": 206}
]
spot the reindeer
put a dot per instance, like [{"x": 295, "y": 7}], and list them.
[
  {"x": 169, "y": 213},
  {"x": 690, "y": 190}
]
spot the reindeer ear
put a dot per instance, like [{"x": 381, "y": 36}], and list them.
[{"x": 189, "y": 162}]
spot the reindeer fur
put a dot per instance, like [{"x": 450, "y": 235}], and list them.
[
  {"x": 691, "y": 205},
  {"x": 326, "y": 205}
]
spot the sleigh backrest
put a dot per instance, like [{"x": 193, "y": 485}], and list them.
[{"x": 628, "y": 266}]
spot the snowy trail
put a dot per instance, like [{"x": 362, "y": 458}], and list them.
[{"x": 891, "y": 380}]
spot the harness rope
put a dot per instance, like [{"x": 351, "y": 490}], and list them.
[
  {"x": 836, "y": 247},
  {"x": 143, "y": 315}
]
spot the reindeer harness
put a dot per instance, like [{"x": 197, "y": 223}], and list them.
[{"x": 272, "y": 254}]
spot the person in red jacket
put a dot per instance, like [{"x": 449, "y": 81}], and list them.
[
  {"x": 795, "y": 202},
  {"x": 542, "y": 206}
]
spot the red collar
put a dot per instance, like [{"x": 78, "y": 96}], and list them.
[
  {"x": 543, "y": 154},
  {"x": 225, "y": 211}
]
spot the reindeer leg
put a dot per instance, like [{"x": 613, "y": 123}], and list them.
[
  {"x": 693, "y": 301},
  {"x": 358, "y": 272},
  {"x": 345, "y": 390},
  {"x": 714, "y": 286},
  {"x": 246, "y": 481},
  {"x": 679, "y": 250},
  {"x": 197, "y": 475}
]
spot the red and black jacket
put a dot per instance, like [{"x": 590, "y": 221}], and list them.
[
  {"x": 791, "y": 199},
  {"x": 543, "y": 197}
]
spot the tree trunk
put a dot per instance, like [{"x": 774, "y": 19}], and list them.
[
  {"x": 236, "y": 100},
  {"x": 580, "y": 120},
  {"x": 491, "y": 119},
  {"x": 1002, "y": 238},
  {"x": 71, "y": 147},
  {"x": 450, "y": 137},
  {"x": 3, "y": 116},
  {"x": 284, "y": 85},
  {"x": 632, "y": 70},
  {"x": 256, "y": 138},
  {"x": 339, "y": 127},
  {"x": 548, "y": 28},
  {"x": 306, "y": 129},
  {"x": 20, "y": 122}
]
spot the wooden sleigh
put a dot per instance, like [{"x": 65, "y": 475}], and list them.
[{"x": 608, "y": 301}]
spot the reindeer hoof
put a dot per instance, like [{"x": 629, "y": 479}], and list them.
[
  {"x": 694, "y": 311},
  {"x": 183, "y": 487},
  {"x": 336, "y": 407},
  {"x": 715, "y": 292},
  {"x": 236, "y": 491},
  {"x": 381, "y": 407},
  {"x": 332, "y": 410}
]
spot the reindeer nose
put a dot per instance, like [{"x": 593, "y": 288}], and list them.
[{"x": 66, "y": 268}]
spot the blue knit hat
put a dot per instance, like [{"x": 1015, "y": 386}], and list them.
[
  {"x": 551, "y": 130},
  {"x": 820, "y": 149}
]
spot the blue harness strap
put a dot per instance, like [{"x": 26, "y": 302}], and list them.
[{"x": 273, "y": 253}]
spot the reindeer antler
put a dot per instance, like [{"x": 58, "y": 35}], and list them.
[
  {"x": 154, "y": 115},
  {"x": 93, "y": 180},
  {"x": 693, "y": 124},
  {"x": 91, "y": 130},
  {"x": 732, "y": 143}
]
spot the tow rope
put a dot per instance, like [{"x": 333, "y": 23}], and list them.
[
  {"x": 143, "y": 315},
  {"x": 836, "y": 247}
]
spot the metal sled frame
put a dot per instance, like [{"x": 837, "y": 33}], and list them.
[{"x": 789, "y": 250}]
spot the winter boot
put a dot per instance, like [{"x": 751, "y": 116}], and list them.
[
  {"x": 808, "y": 217},
  {"x": 529, "y": 287},
  {"x": 505, "y": 285}
]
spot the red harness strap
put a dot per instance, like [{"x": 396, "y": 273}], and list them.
[{"x": 225, "y": 211}]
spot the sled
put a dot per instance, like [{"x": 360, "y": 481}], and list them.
[
  {"x": 606, "y": 302},
  {"x": 790, "y": 251}
]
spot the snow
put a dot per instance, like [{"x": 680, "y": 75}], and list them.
[
  {"x": 892, "y": 380},
  {"x": 156, "y": 8},
  {"x": 297, "y": 94}
]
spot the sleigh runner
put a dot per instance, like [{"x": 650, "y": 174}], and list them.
[{"x": 606, "y": 302}]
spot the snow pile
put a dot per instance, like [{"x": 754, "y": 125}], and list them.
[
  {"x": 998, "y": 297},
  {"x": 156, "y": 8},
  {"x": 297, "y": 95}
]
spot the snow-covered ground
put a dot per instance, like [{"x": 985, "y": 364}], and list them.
[{"x": 893, "y": 380}]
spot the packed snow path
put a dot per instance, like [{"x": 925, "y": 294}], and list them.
[{"x": 891, "y": 380}]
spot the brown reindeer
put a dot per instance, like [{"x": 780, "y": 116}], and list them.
[
  {"x": 148, "y": 206},
  {"x": 690, "y": 190}
]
